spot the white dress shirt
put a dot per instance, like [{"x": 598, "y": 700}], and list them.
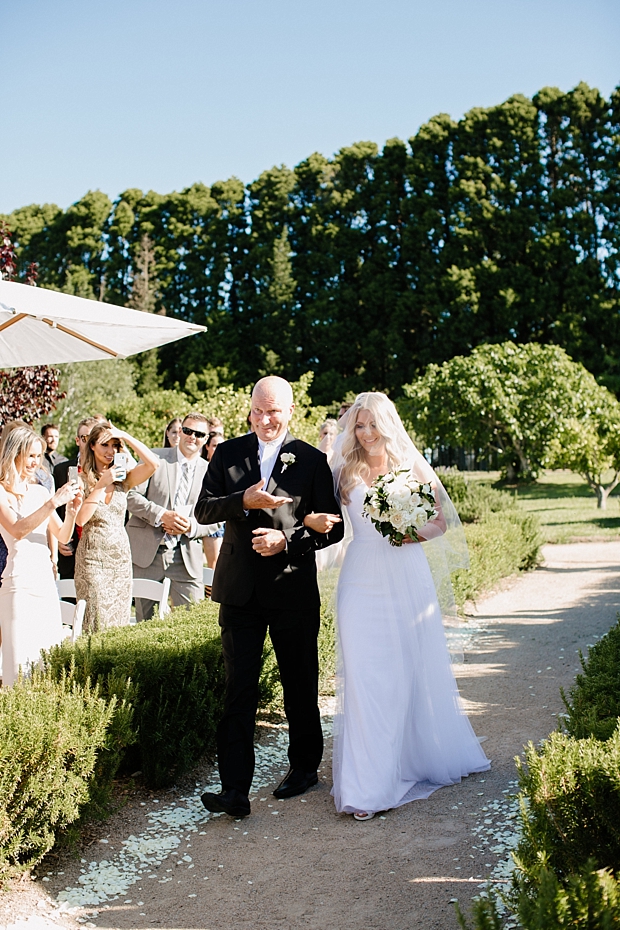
[{"x": 268, "y": 454}]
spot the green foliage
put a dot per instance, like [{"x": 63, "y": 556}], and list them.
[
  {"x": 90, "y": 387},
  {"x": 591, "y": 445},
  {"x": 593, "y": 703},
  {"x": 568, "y": 857},
  {"x": 566, "y": 509},
  {"x": 327, "y": 633},
  {"x": 146, "y": 416},
  {"x": 367, "y": 266},
  {"x": 474, "y": 500},
  {"x": 570, "y": 811},
  {"x": 587, "y": 901},
  {"x": 172, "y": 672},
  {"x": 509, "y": 399},
  {"x": 499, "y": 546},
  {"x": 502, "y": 539},
  {"x": 50, "y": 734},
  {"x": 230, "y": 404}
]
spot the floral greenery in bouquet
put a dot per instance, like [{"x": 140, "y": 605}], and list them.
[{"x": 399, "y": 505}]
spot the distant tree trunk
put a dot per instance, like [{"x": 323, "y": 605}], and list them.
[
  {"x": 144, "y": 297},
  {"x": 602, "y": 492}
]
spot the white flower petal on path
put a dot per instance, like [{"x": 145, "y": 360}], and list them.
[{"x": 111, "y": 878}]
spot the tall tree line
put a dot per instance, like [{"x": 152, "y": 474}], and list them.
[{"x": 365, "y": 267}]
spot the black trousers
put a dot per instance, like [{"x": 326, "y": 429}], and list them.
[{"x": 294, "y": 634}]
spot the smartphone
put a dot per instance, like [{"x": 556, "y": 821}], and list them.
[
  {"x": 120, "y": 462},
  {"x": 72, "y": 475}
]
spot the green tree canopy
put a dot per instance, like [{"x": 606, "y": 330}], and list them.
[
  {"x": 367, "y": 266},
  {"x": 511, "y": 399}
]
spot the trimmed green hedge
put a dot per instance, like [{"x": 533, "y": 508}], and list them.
[
  {"x": 500, "y": 545},
  {"x": 588, "y": 901},
  {"x": 571, "y": 810},
  {"x": 172, "y": 672},
  {"x": 502, "y": 539},
  {"x": 474, "y": 500},
  {"x": 568, "y": 857},
  {"x": 50, "y": 734},
  {"x": 593, "y": 703}
]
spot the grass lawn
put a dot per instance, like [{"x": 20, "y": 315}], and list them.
[{"x": 565, "y": 506}]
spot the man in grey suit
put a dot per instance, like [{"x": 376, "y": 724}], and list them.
[{"x": 166, "y": 540}]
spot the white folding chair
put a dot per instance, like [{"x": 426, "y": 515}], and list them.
[
  {"x": 153, "y": 591},
  {"x": 66, "y": 587},
  {"x": 207, "y": 576},
  {"x": 73, "y": 616},
  {"x": 207, "y": 580}
]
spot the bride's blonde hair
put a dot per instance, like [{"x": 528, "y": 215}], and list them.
[{"x": 352, "y": 465}]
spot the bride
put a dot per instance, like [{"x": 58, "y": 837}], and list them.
[{"x": 400, "y": 731}]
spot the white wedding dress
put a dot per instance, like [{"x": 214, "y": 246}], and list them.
[
  {"x": 400, "y": 731},
  {"x": 29, "y": 606}
]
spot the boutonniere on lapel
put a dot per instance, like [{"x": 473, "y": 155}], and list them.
[{"x": 287, "y": 458}]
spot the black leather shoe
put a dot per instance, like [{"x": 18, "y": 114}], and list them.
[
  {"x": 296, "y": 782},
  {"x": 230, "y": 802}
]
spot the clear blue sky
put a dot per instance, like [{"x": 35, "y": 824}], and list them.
[{"x": 112, "y": 94}]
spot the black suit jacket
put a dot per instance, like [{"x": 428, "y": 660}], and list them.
[
  {"x": 49, "y": 460},
  {"x": 66, "y": 563},
  {"x": 288, "y": 578}
]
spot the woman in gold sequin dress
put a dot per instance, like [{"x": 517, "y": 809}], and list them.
[{"x": 103, "y": 575}]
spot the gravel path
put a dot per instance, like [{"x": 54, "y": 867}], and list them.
[{"x": 297, "y": 863}]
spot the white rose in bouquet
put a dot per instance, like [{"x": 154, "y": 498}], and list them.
[
  {"x": 400, "y": 497},
  {"x": 398, "y": 505}
]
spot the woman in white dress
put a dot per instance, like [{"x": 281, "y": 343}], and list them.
[
  {"x": 29, "y": 607},
  {"x": 400, "y": 731}
]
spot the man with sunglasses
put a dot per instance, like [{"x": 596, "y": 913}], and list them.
[{"x": 166, "y": 540}]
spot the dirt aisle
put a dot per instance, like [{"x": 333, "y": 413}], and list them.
[{"x": 298, "y": 864}]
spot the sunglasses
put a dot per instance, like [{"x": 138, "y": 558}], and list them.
[{"x": 193, "y": 432}]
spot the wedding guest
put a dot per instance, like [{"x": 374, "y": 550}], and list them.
[
  {"x": 215, "y": 425},
  {"x": 51, "y": 457},
  {"x": 166, "y": 540},
  {"x": 42, "y": 477},
  {"x": 172, "y": 433},
  {"x": 327, "y": 436},
  {"x": 66, "y": 552},
  {"x": 212, "y": 542},
  {"x": 214, "y": 437},
  {"x": 213, "y": 441},
  {"x": 29, "y": 608},
  {"x": 6, "y": 429},
  {"x": 103, "y": 576},
  {"x": 344, "y": 406}
]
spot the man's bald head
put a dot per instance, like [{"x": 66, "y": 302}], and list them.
[
  {"x": 272, "y": 408},
  {"x": 275, "y": 388}
]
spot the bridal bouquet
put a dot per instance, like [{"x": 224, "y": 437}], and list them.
[{"x": 399, "y": 505}]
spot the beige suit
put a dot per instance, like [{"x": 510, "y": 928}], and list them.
[{"x": 150, "y": 557}]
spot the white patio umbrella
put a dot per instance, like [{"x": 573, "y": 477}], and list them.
[{"x": 43, "y": 327}]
